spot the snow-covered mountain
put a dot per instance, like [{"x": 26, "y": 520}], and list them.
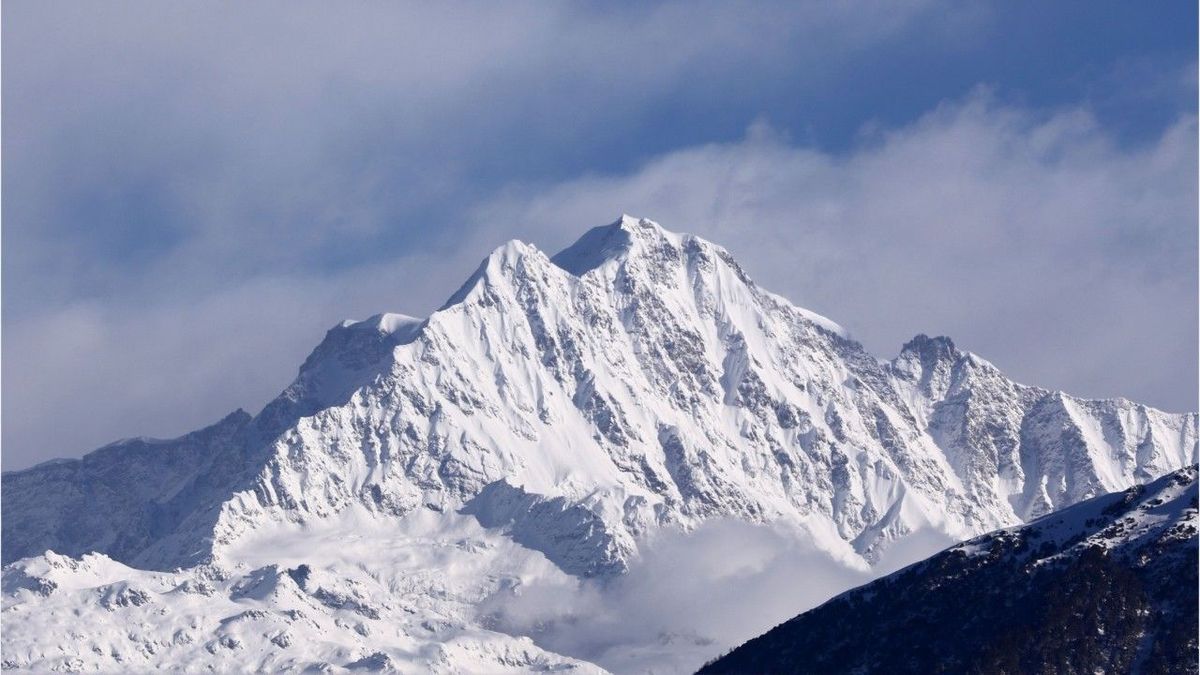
[
  {"x": 634, "y": 383},
  {"x": 1105, "y": 586}
]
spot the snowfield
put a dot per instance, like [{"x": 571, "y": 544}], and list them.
[
  {"x": 510, "y": 483},
  {"x": 353, "y": 592}
]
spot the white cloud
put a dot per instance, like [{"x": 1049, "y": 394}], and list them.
[{"x": 699, "y": 593}]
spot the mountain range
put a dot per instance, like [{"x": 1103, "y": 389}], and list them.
[{"x": 552, "y": 419}]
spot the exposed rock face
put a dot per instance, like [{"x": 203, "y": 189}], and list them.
[
  {"x": 122, "y": 498},
  {"x": 1108, "y": 585},
  {"x": 637, "y": 379}
]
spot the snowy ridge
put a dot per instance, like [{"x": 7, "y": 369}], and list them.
[
  {"x": 578, "y": 404},
  {"x": 645, "y": 378}
]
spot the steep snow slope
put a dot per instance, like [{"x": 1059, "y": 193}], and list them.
[
  {"x": 638, "y": 380},
  {"x": 1108, "y": 585}
]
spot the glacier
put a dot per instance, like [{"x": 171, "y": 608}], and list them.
[{"x": 550, "y": 421}]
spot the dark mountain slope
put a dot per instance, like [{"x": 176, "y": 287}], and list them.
[{"x": 1107, "y": 585}]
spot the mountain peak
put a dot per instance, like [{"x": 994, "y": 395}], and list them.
[
  {"x": 931, "y": 349},
  {"x": 928, "y": 361},
  {"x": 503, "y": 258},
  {"x": 598, "y": 245},
  {"x": 614, "y": 241},
  {"x": 642, "y": 226},
  {"x": 644, "y": 231}
]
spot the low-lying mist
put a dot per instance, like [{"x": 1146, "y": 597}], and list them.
[{"x": 689, "y": 597}]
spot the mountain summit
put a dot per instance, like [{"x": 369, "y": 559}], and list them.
[{"x": 635, "y": 382}]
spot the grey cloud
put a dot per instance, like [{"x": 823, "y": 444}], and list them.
[
  {"x": 192, "y": 197},
  {"x": 146, "y": 140}
]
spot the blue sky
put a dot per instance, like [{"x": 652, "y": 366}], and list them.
[{"x": 192, "y": 193}]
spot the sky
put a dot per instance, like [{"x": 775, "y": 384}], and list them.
[{"x": 194, "y": 192}]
